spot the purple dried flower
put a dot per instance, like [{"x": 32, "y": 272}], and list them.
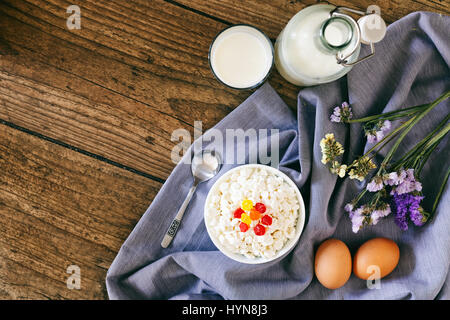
[
  {"x": 417, "y": 217},
  {"x": 379, "y": 213},
  {"x": 367, "y": 214},
  {"x": 342, "y": 113},
  {"x": 410, "y": 174},
  {"x": 376, "y": 184},
  {"x": 357, "y": 219},
  {"x": 386, "y": 126},
  {"x": 377, "y": 133},
  {"x": 348, "y": 207},
  {"x": 406, "y": 182},
  {"x": 418, "y": 186},
  {"x": 404, "y": 187},
  {"x": 336, "y": 116},
  {"x": 404, "y": 206},
  {"x": 402, "y": 175},
  {"x": 401, "y": 222},
  {"x": 371, "y": 138},
  {"x": 400, "y": 208},
  {"x": 391, "y": 179}
]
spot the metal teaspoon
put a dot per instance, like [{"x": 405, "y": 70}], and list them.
[{"x": 204, "y": 165}]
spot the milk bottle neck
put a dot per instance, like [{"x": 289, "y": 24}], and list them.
[{"x": 335, "y": 34}]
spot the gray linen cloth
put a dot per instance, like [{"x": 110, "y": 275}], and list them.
[{"x": 411, "y": 67}]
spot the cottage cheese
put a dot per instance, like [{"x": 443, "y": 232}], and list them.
[{"x": 257, "y": 184}]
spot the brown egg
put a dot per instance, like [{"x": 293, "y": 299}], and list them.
[
  {"x": 333, "y": 264},
  {"x": 376, "y": 253}
]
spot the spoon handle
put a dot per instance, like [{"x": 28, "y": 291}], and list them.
[{"x": 170, "y": 234}]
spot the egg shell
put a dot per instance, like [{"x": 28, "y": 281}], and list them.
[
  {"x": 333, "y": 263},
  {"x": 380, "y": 252}
]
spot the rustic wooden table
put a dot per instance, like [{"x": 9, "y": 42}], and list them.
[{"x": 86, "y": 118}]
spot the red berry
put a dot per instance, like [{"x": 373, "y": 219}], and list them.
[
  {"x": 243, "y": 226},
  {"x": 238, "y": 213},
  {"x": 267, "y": 220},
  {"x": 259, "y": 230},
  {"x": 260, "y": 207}
]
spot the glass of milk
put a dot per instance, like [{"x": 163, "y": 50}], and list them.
[{"x": 241, "y": 57}]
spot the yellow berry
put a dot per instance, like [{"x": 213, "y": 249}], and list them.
[
  {"x": 247, "y": 205},
  {"x": 246, "y": 219}
]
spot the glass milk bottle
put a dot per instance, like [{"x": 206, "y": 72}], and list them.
[{"x": 321, "y": 43}]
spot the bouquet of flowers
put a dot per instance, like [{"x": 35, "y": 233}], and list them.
[{"x": 395, "y": 188}]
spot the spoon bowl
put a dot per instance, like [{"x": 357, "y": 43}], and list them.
[{"x": 205, "y": 165}]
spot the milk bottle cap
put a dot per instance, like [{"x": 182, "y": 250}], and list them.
[{"x": 373, "y": 28}]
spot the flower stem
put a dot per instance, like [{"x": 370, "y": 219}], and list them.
[
  {"x": 425, "y": 158},
  {"x": 391, "y": 115},
  {"x": 441, "y": 190},
  {"x": 431, "y": 144},
  {"x": 437, "y": 137},
  {"x": 421, "y": 147},
  {"x": 387, "y": 141},
  {"x": 383, "y": 141},
  {"x": 362, "y": 193},
  {"x": 391, "y": 135},
  {"x": 411, "y": 124}
]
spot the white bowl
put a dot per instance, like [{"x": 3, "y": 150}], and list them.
[{"x": 288, "y": 246}]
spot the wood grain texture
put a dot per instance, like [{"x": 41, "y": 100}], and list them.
[
  {"x": 149, "y": 85},
  {"x": 60, "y": 208},
  {"x": 132, "y": 105},
  {"x": 272, "y": 15},
  {"x": 86, "y": 118}
]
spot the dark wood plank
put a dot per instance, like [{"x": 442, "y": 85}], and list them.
[
  {"x": 57, "y": 72},
  {"x": 272, "y": 15},
  {"x": 154, "y": 77},
  {"x": 59, "y": 208}
]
